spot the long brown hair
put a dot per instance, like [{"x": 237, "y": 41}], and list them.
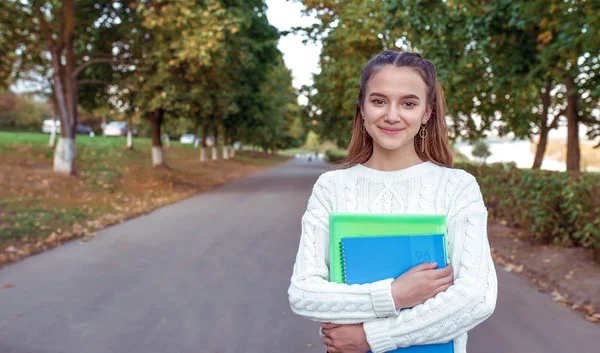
[{"x": 436, "y": 149}]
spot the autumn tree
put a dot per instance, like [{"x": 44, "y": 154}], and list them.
[{"x": 55, "y": 38}]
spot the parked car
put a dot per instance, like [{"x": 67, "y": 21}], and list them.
[
  {"x": 115, "y": 128},
  {"x": 188, "y": 139},
  {"x": 48, "y": 125}
]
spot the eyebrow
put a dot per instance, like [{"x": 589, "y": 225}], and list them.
[{"x": 408, "y": 96}]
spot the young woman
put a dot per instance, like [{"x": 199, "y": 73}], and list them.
[{"x": 399, "y": 161}]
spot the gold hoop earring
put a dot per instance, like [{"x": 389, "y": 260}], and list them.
[{"x": 423, "y": 133}]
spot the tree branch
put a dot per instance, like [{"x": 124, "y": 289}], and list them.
[
  {"x": 94, "y": 55},
  {"x": 36, "y": 92},
  {"x": 93, "y": 82},
  {"x": 46, "y": 29},
  {"x": 587, "y": 120},
  {"x": 554, "y": 123},
  {"x": 92, "y": 62}
]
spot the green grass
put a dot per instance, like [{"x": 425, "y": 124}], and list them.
[
  {"x": 28, "y": 220},
  {"x": 294, "y": 151},
  {"x": 113, "y": 182}
]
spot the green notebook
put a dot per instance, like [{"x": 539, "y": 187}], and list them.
[{"x": 346, "y": 225}]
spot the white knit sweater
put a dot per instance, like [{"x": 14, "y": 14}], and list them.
[{"x": 422, "y": 189}]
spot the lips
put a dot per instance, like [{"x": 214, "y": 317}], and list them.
[{"x": 390, "y": 131}]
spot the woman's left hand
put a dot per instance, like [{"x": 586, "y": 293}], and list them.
[{"x": 345, "y": 338}]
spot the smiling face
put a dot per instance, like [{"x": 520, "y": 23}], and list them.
[{"x": 395, "y": 106}]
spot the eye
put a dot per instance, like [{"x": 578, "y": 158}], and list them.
[
  {"x": 377, "y": 101},
  {"x": 410, "y": 104}
]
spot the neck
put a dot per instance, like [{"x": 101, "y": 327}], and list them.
[{"x": 391, "y": 160}]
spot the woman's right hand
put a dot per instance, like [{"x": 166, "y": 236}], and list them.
[{"x": 420, "y": 283}]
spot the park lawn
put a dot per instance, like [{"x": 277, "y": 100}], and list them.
[{"x": 40, "y": 209}]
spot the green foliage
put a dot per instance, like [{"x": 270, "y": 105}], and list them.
[
  {"x": 494, "y": 59},
  {"x": 335, "y": 156},
  {"x": 312, "y": 141},
  {"x": 481, "y": 150},
  {"x": 21, "y": 113},
  {"x": 351, "y": 34},
  {"x": 551, "y": 207}
]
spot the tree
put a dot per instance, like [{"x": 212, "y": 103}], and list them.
[
  {"x": 533, "y": 62},
  {"x": 351, "y": 34},
  {"x": 177, "y": 41},
  {"x": 55, "y": 37},
  {"x": 481, "y": 150}
]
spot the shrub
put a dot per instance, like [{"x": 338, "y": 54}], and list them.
[{"x": 552, "y": 207}]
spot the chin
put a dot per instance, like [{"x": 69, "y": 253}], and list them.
[{"x": 391, "y": 145}]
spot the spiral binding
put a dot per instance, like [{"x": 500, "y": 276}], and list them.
[{"x": 343, "y": 255}]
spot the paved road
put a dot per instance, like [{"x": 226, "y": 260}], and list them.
[{"x": 210, "y": 275}]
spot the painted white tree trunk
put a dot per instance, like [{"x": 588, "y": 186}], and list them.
[
  {"x": 167, "y": 141},
  {"x": 129, "y": 139},
  {"x": 64, "y": 156},
  {"x": 232, "y": 152},
  {"x": 214, "y": 154},
  {"x": 196, "y": 143},
  {"x": 225, "y": 152},
  {"x": 202, "y": 154},
  {"x": 52, "y": 137},
  {"x": 158, "y": 158}
]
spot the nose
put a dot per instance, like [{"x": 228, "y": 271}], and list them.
[{"x": 393, "y": 114}]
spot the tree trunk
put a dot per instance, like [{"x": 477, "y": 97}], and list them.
[
  {"x": 544, "y": 128},
  {"x": 541, "y": 149},
  {"x": 52, "y": 134},
  {"x": 203, "y": 148},
  {"x": 232, "y": 152},
  {"x": 156, "y": 119},
  {"x": 64, "y": 156},
  {"x": 52, "y": 141},
  {"x": 573, "y": 151},
  {"x": 225, "y": 147},
  {"x": 202, "y": 154},
  {"x": 225, "y": 152},
  {"x": 129, "y": 138},
  {"x": 65, "y": 88},
  {"x": 215, "y": 143}
]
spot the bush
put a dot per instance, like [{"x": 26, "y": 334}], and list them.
[
  {"x": 335, "y": 156},
  {"x": 552, "y": 207}
]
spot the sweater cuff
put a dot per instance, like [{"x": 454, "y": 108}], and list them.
[
  {"x": 378, "y": 336},
  {"x": 381, "y": 298}
]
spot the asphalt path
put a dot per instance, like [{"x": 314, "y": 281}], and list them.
[{"x": 210, "y": 275}]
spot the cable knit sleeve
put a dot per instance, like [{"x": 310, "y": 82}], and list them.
[
  {"x": 468, "y": 302},
  {"x": 311, "y": 295}
]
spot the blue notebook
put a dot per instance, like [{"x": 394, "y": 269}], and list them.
[{"x": 371, "y": 259}]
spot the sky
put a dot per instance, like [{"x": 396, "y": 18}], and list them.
[{"x": 301, "y": 59}]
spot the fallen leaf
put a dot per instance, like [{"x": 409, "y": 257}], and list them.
[
  {"x": 569, "y": 275},
  {"x": 546, "y": 261},
  {"x": 557, "y": 297},
  {"x": 310, "y": 345},
  {"x": 593, "y": 318},
  {"x": 7, "y": 285},
  {"x": 589, "y": 309}
]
